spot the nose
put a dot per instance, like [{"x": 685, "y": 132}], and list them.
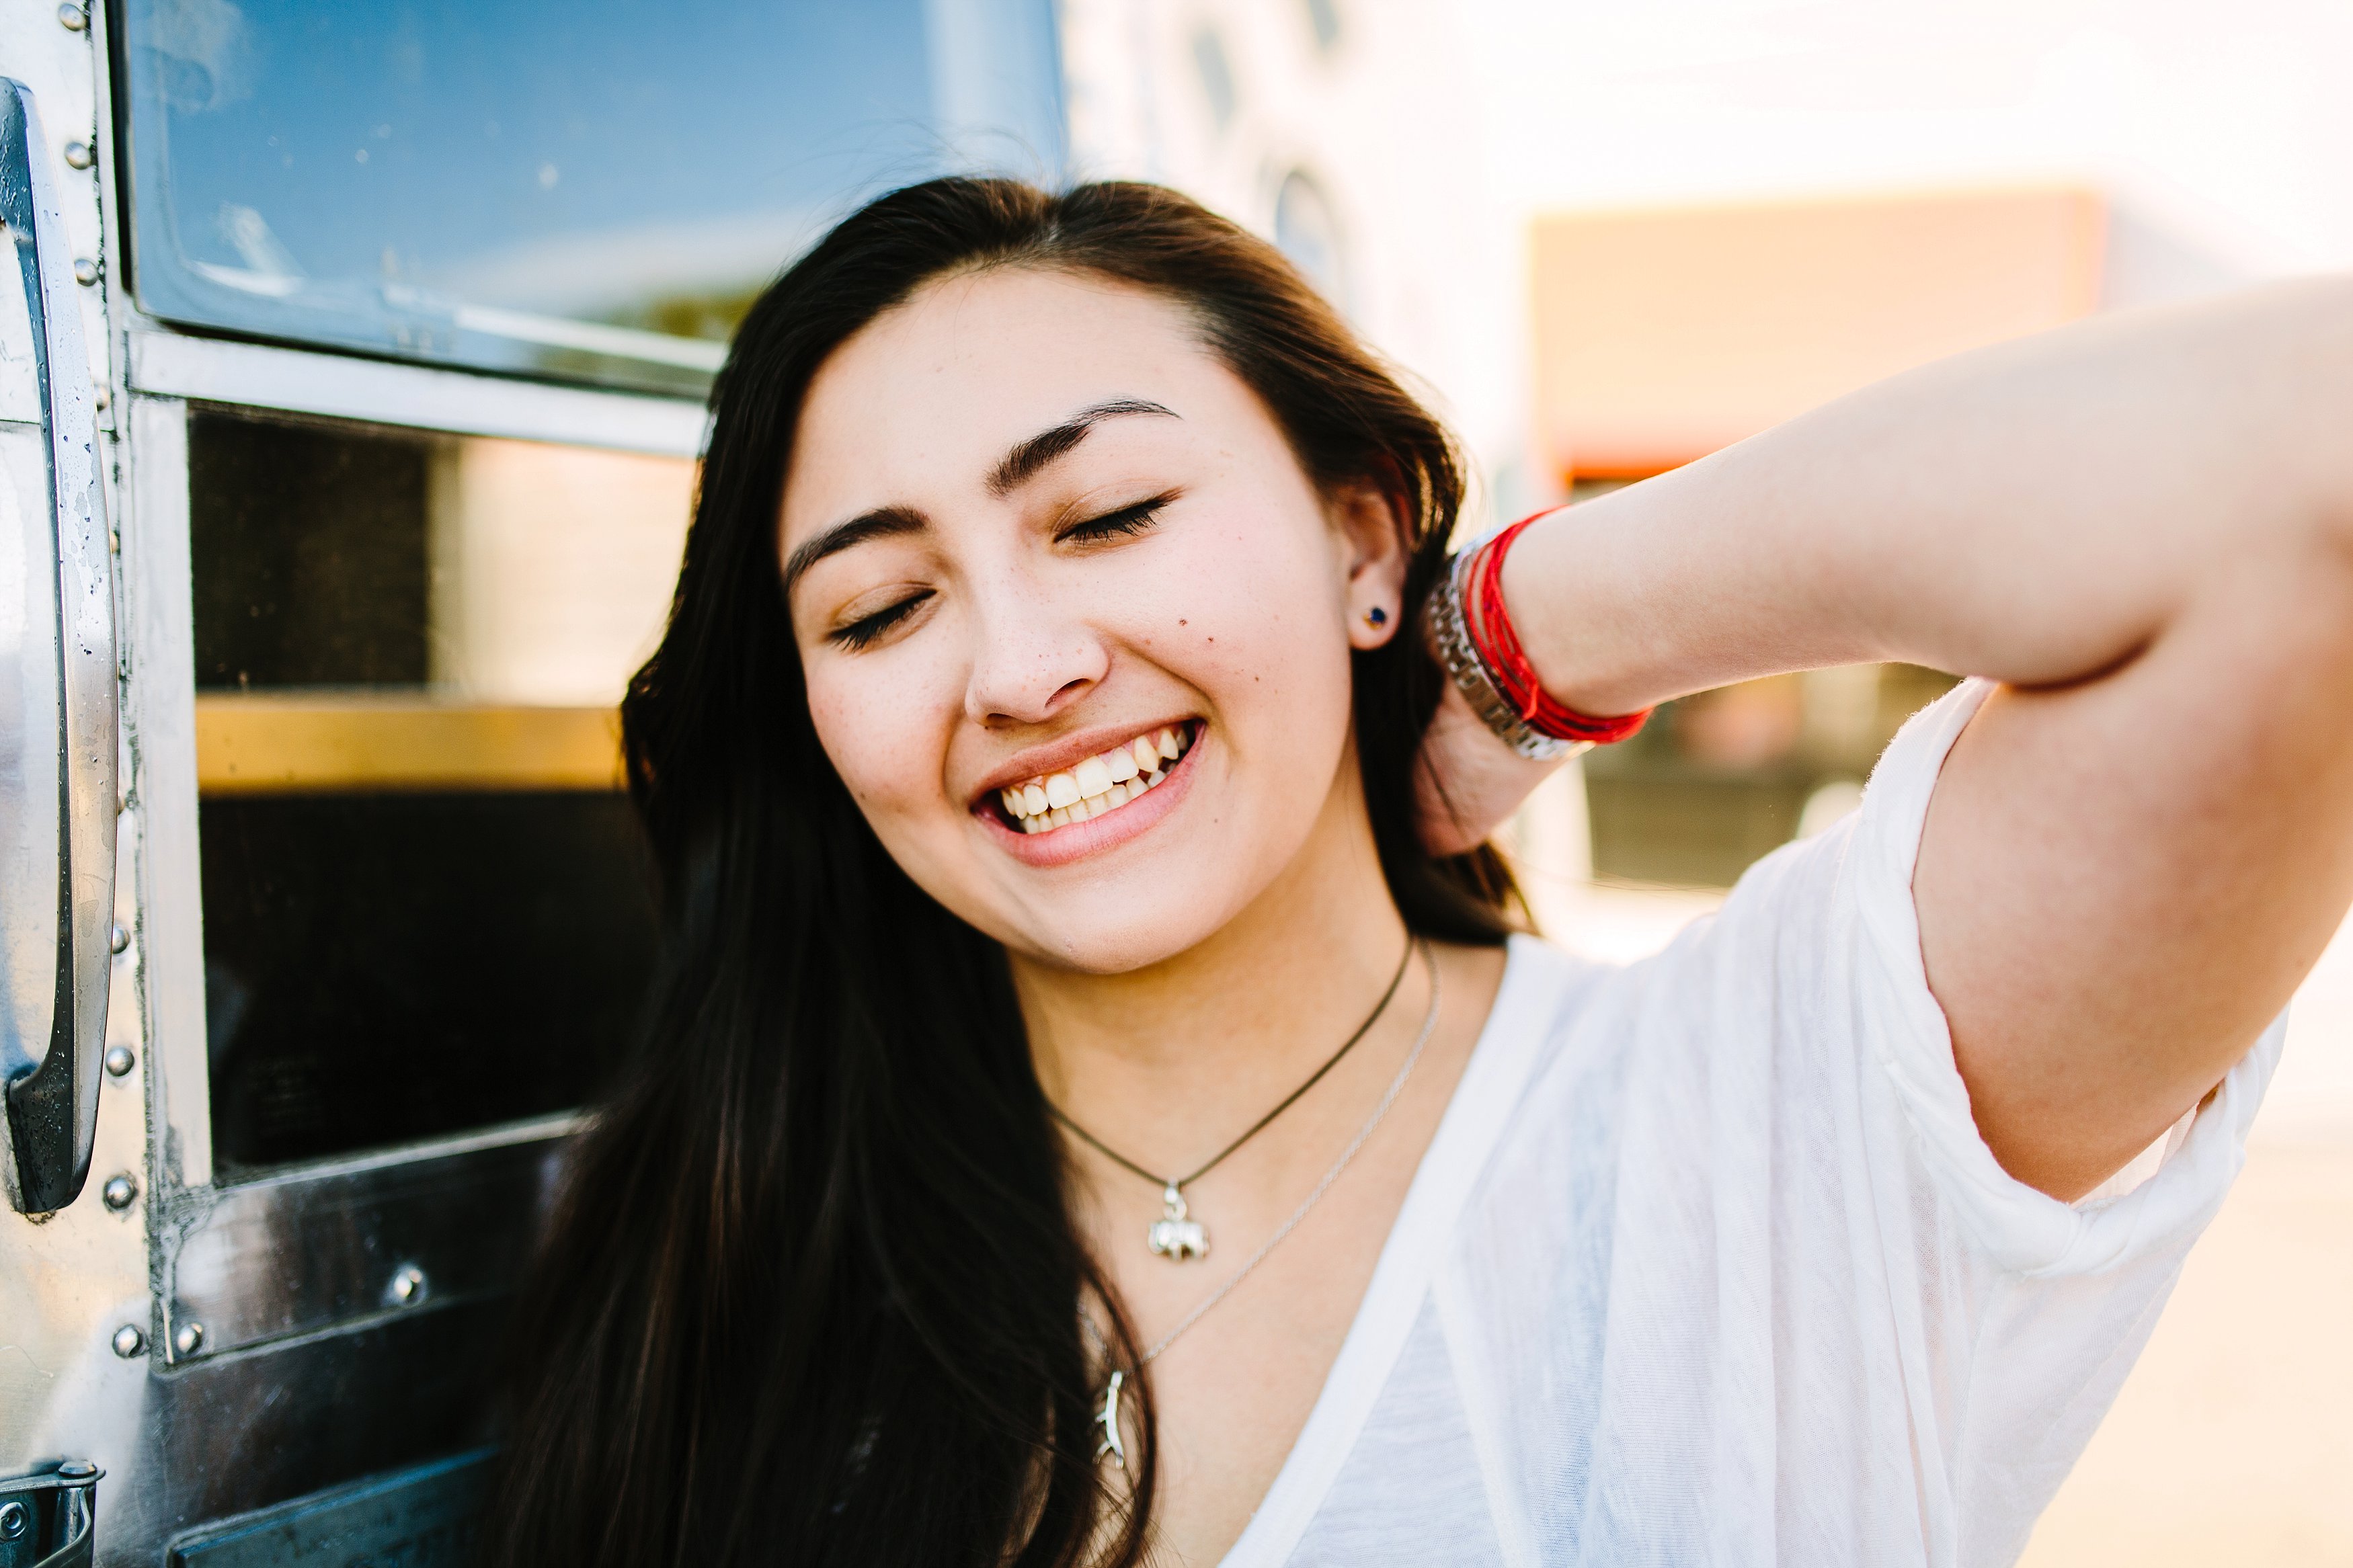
[{"x": 1032, "y": 658}]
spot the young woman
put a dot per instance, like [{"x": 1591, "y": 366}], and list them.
[{"x": 1095, "y": 1110}]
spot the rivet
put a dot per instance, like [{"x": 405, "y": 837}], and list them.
[
  {"x": 78, "y": 155},
  {"x": 120, "y": 1059},
  {"x": 85, "y": 271},
  {"x": 129, "y": 1342},
  {"x": 407, "y": 1288},
  {"x": 72, "y": 18},
  {"x": 120, "y": 1191},
  {"x": 77, "y": 1471},
  {"x": 188, "y": 1338},
  {"x": 14, "y": 1522},
  {"x": 117, "y": 939}
]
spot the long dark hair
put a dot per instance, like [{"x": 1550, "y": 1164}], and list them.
[{"x": 810, "y": 1295}]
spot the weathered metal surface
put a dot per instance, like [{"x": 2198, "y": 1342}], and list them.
[
  {"x": 421, "y": 1517},
  {"x": 58, "y": 559},
  {"x": 332, "y": 1246},
  {"x": 250, "y": 1431}
]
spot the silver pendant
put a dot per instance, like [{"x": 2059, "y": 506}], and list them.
[
  {"x": 1174, "y": 1236},
  {"x": 1108, "y": 1419}
]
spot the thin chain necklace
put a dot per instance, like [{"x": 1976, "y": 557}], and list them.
[
  {"x": 1107, "y": 1411},
  {"x": 1175, "y": 1235}
]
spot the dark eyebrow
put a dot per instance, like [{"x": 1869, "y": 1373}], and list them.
[
  {"x": 1021, "y": 464},
  {"x": 880, "y": 523},
  {"x": 1017, "y": 467}
]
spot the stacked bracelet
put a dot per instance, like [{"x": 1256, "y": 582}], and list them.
[{"x": 1472, "y": 634}]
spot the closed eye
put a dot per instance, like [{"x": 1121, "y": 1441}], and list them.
[
  {"x": 867, "y": 630},
  {"x": 1126, "y": 522}
]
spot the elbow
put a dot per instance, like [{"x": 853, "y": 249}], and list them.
[
  {"x": 2284, "y": 407},
  {"x": 2336, "y": 510},
  {"x": 2331, "y": 418},
  {"x": 2330, "y": 548}
]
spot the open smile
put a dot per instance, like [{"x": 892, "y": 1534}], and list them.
[{"x": 1097, "y": 785}]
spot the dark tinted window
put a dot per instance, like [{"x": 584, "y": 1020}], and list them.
[
  {"x": 382, "y": 967},
  {"x": 310, "y": 550},
  {"x": 425, "y": 904}
]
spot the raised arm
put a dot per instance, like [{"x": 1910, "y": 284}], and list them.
[{"x": 2143, "y": 525}]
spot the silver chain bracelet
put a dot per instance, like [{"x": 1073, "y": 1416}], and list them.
[{"x": 1449, "y": 639}]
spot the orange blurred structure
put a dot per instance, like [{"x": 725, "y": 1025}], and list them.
[{"x": 1663, "y": 335}]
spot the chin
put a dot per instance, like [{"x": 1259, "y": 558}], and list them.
[
  {"x": 1089, "y": 948},
  {"x": 1143, "y": 913}
]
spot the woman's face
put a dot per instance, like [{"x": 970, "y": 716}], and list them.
[{"x": 1076, "y": 624}]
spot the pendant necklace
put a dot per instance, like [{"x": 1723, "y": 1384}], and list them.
[
  {"x": 1175, "y": 1234},
  {"x": 1113, "y": 1443}
]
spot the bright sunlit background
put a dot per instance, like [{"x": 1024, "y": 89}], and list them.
[
  {"x": 2225, "y": 123},
  {"x": 2104, "y": 154}
]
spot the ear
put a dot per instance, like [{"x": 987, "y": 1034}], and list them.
[{"x": 1369, "y": 533}]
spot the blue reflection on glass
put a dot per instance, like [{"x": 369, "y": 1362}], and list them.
[{"x": 589, "y": 189}]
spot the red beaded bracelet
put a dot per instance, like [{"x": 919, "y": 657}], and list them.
[{"x": 1489, "y": 624}]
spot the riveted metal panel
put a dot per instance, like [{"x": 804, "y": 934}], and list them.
[{"x": 338, "y": 1246}]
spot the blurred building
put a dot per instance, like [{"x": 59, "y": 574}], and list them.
[
  {"x": 1333, "y": 128},
  {"x": 1662, "y": 334}
]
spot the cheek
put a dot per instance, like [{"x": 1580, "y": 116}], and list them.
[
  {"x": 1261, "y": 628},
  {"x": 885, "y": 742}
]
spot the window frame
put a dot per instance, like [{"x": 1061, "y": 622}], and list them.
[{"x": 170, "y": 374}]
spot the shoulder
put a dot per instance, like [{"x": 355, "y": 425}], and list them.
[
  {"x": 1543, "y": 990},
  {"x": 1545, "y": 1028}
]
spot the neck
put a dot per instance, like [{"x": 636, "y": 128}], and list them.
[{"x": 1166, "y": 1062}]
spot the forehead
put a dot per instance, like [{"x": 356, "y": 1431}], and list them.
[{"x": 927, "y": 398}]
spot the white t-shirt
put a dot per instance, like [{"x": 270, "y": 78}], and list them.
[{"x": 1707, "y": 1264}]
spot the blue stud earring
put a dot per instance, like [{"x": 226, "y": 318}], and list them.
[{"x": 1377, "y": 616}]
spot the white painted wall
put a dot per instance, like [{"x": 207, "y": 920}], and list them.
[
  {"x": 1379, "y": 120},
  {"x": 2225, "y": 125}
]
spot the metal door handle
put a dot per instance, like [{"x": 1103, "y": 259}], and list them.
[
  {"x": 50, "y": 1520},
  {"x": 52, "y": 1110}
]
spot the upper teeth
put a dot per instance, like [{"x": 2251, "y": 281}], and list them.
[{"x": 1100, "y": 783}]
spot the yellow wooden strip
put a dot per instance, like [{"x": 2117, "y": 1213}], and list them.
[{"x": 249, "y": 744}]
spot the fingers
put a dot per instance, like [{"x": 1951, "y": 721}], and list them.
[{"x": 1467, "y": 782}]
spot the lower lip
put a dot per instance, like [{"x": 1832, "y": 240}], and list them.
[{"x": 1077, "y": 840}]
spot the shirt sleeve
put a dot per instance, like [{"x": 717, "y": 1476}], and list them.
[
  {"x": 2026, "y": 1232},
  {"x": 1895, "y": 1350}
]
